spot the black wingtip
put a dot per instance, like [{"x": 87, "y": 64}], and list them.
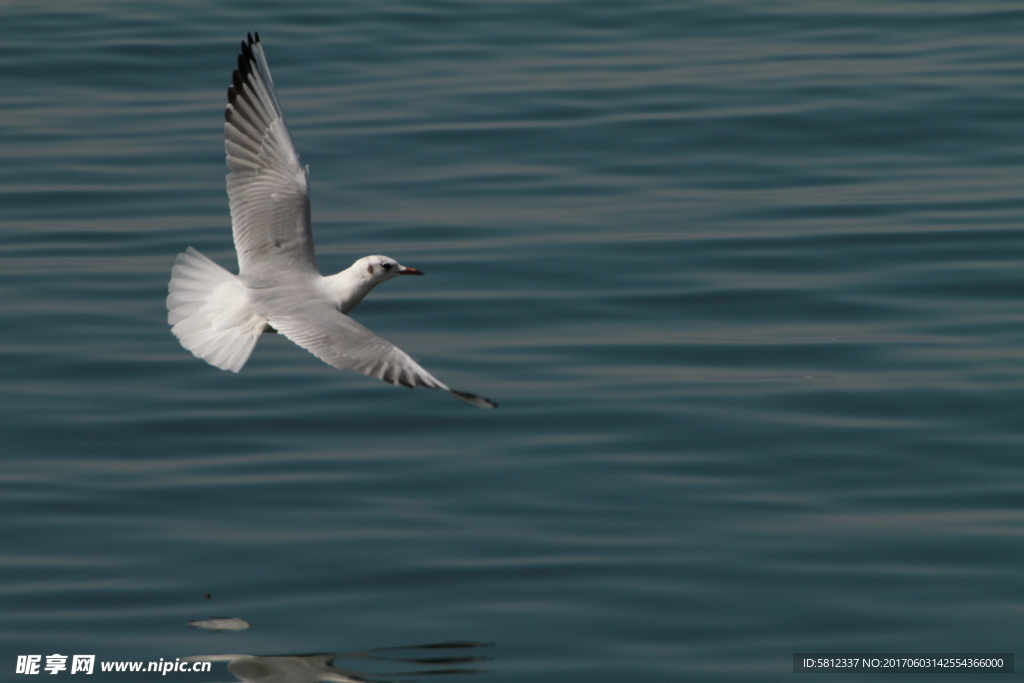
[
  {"x": 473, "y": 399},
  {"x": 246, "y": 65}
]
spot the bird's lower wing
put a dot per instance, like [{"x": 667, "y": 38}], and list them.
[{"x": 340, "y": 341}]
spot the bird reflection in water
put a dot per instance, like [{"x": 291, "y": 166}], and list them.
[{"x": 439, "y": 658}]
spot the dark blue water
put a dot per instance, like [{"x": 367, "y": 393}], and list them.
[{"x": 746, "y": 279}]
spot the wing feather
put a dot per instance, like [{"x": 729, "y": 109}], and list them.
[
  {"x": 341, "y": 342},
  {"x": 268, "y": 187}
]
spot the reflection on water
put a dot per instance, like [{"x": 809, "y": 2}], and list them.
[
  {"x": 439, "y": 658},
  {"x": 220, "y": 624}
]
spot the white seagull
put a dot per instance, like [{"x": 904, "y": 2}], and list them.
[{"x": 219, "y": 316}]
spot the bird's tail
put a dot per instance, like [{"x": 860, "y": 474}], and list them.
[{"x": 209, "y": 312}]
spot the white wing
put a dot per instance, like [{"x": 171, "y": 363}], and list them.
[
  {"x": 340, "y": 341},
  {"x": 267, "y": 187}
]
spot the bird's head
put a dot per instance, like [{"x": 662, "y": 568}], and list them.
[
  {"x": 348, "y": 287},
  {"x": 381, "y": 268}
]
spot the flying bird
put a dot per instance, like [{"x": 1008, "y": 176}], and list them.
[{"x": 219, "y": 316}]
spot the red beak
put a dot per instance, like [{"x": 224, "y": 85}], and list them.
[{"x": 410, "y": 271}]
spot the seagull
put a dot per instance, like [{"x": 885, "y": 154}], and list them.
[{"x": 219, "y": 316}]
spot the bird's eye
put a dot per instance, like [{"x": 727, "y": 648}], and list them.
[{"x": 386, "y": 266}]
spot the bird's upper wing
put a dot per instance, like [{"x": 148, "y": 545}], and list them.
[
  {"x": 268, "y": 187},
  {"x": 338, "y": 340}
]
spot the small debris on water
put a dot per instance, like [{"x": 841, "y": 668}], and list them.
[{"x": 220, "y": 624}]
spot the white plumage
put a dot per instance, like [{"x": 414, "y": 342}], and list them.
[
  {"x": 219, "y": 316},
  {"x": 209, "y": 311}
]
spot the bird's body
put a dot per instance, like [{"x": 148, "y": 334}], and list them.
[{"x": 219, "y": 316}]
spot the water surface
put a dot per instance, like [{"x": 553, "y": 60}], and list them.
[{"x": 745, "y": 279}]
